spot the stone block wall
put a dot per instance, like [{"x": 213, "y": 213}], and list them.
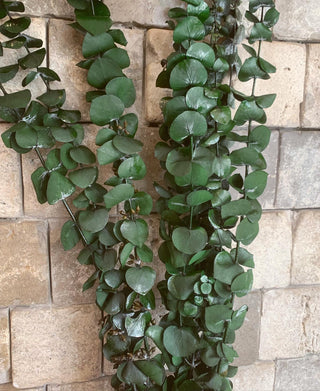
[{"x": 48, "y": 328}]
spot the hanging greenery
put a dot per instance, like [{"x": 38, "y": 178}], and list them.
[
  {"x": 209, "y": 208},
  {"x": 204, "y": 228}
]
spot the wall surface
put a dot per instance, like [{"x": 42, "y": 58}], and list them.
[{"x": 48, "y": 328}]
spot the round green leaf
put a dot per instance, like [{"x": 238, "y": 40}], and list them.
[
  {"x": 136, "y": 232},
  {"x": 216, "y": 316},
  {"x": 93, "y": 221},
  {"x": 108, "y": 153},
  {"x": 221, "y": 114},
  {"x": 242, "y": 284},
  {"x": 203, "y": 52},
  {"x": 59, "y": 188},
  {"x": 189, "y": 28},
  {"x": 189, "y": 123},
  {"x": 259, "y": 138},
  {"x": 255, "y": 183},
  {"x": 107, "y": 261},
  {"x": 143, "y": 202},
  {"x": 119, "y": 56},
  {"x": 141, "y": 280},
  {"x": 84, "y": 177},
  {"x": 188, "y": 73},
  {"x": 132, "y": 168},
  {"x": 123, "y": 88},
  {"x": 127, "y": 145},
  {"x": 198, "y": 197},
  {"x": 26, "y": 137},
  {"x": 102, "y": 71},
  {"x": 181, "y": 287},
  {"x": 179, "y": 342},
  {"x": 70, "y": 235},
  {"x": 82, "y": 155},
  {"x": 189, "y": 241},
  {"x": 247, "y": 231},
  {"x": 118, "y": 194},
  {"x": 197, "y": 100},
  {"x": 105, "y": 109},
  {"x": 225, "y": 270},
  {"x": 179, "y": 162},
  {"x": 238, "y": 318},
  {"x": 93, "y": 45}
]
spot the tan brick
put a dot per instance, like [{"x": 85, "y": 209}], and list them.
[
  {"x": 9, "y": 387},
  {"x": 311, "y": 110},
  {"x": 287, "y": 82},
  {"x": 150, "y": 137},
  {"x": 299, "y": 181},
  {"x": 5, "y": 367},
  {"x": 10, "y": 186},
  {"x": 272, "y": 251},
  {"x": 158, "y": 47},
  {"x": 298, "y": 21},
  {"x": 256, "y": 377},
  {"x": 48, "y": 8},
  {"x": 247, "y": 338},
  {"x": 37, "y": 29},
  {"x": 289, "y": 323},
  {"x": 67, "y": 274},
  {"x": 63, "y": 57},
  {"x": 55, "y": 345},
  {"x": 145, "y": 12},
  {"x": 23, "y": 263},
  {"x": 298, "y": 374},
  {"x": 306, "y": 248},
  {"x": 102, "y": 384},
  {"x": 271, "y": 155}
]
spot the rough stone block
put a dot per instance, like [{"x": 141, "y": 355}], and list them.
[
  {"x": 306, "y": 248},
  {"x": 271, "y": 155},
  {"x": 298, "y": 21},
  {"x": 290, "y": 323},
  {"x": 23, "y": 263},
  {"x": 287, "y": 82},
  {"x": 102, "y": 384},
  {"x": 9, "y": 387},
  {"x": 144, "y": 12},
  {"x": 247, "y": 338},
  {"x": 272, "y": 251},
  {"x": 5, "y": 366},
  {"x": 55, "y": 345},
  {"x": 299, "y": 181},
  {"x": 49, "y": 8},
  {"x": 298, "y": 374},
  {"x": 67, "y": 274},
  {"x": 311, "y": 110},
  {"x": 256, "y": 377},
  {"x": 158, "y": 47},
  {"x": 10, "y": 185}
]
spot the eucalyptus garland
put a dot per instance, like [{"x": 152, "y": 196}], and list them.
[{"x": 203, "y": 227}]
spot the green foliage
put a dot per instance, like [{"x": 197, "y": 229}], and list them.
[{"x": 203, "y": 226}]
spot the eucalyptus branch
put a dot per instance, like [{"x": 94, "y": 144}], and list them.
[{"x": 206, "y": 265}]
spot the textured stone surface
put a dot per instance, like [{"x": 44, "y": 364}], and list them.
[
  {"x": 158, "y": 47},
  {"x": 150, "y": 137},
  {"x": 37, "y": 29},
  {"x": 5, "y": 367},
  {"x": 256, "y": 377},
  {"x": 145, "y": 12},
  {"x": 299, "y": 180},
  {"x": 271, "y": 155},
  {"x": 23, "y": 263},
  {"x": 247, "y": 337},
  {"x": 290, "y": 323},
  {"x": 299, "y": 21},
  {"x": 63, "y": 56},
  {"x": 272, "y": 251},
  {"x": 67, "y": 274},
  {"x": 287, "y": 82},
  {"x": 9, "y": 387},
  {"x": 48, "y": 8},
  {"x": 55, "y": 345},
  {"x": 10, "y": 185},
  {"x": 306, "y": 248},
  {"x": 298, "y": 374},
  {"x": 97, "y": 385},
  {"x": 311, "y": 110}
]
